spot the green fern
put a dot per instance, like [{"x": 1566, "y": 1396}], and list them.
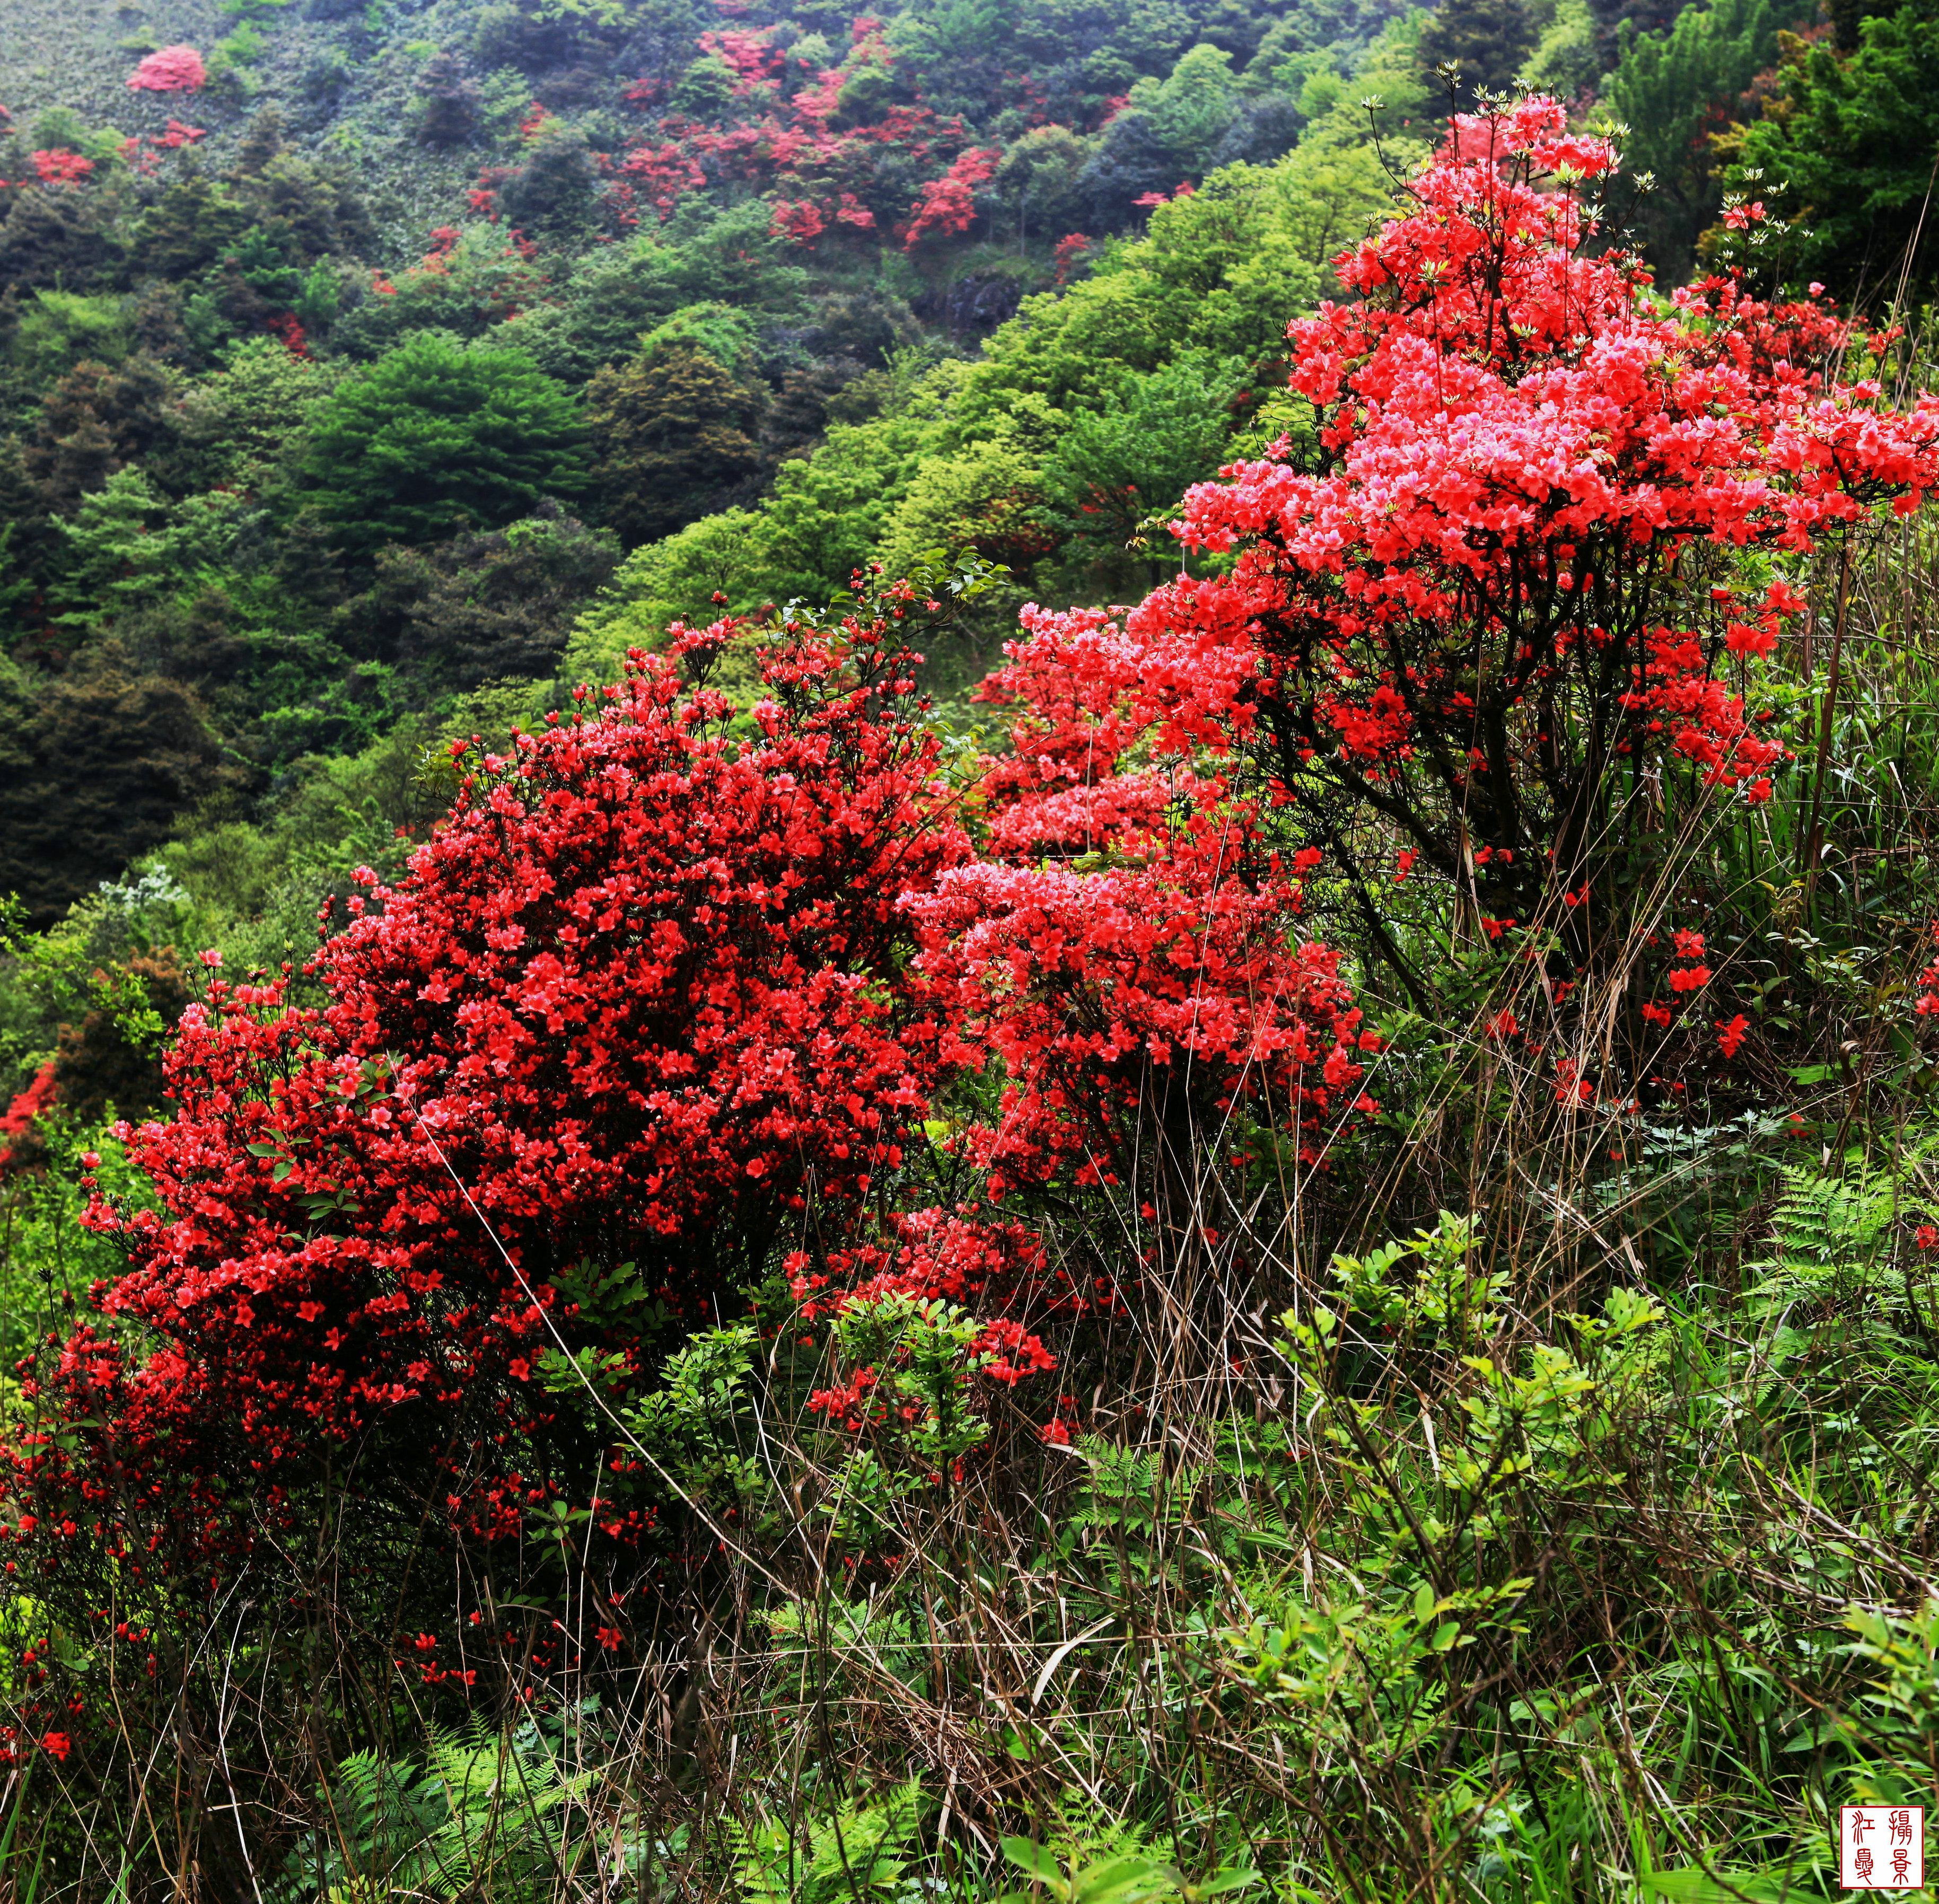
[
  {"x": 1827, "y": 1235},
  {"x": 487, "y": 1816},
  {"x": 847, "y": 1856}
]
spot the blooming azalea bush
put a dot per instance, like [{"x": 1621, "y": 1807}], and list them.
[
  {"x": 691, "y": 1001},
  {"x": 676, "y": 998},
  {"x": 173, "y": 69},
  {"x": 1514, "y": 579},
  {"x": 60, "y": 166},
  {"x": 625, "y": 1007}
]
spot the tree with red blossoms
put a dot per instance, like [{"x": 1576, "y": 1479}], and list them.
[
  {"x": 1503, "y": 592},
  {"x": 797, "y": 219},
  {"x": 61, "y": 167},
  {"x": 174, "y": 69},
  {"x": 948, "y": 204}
]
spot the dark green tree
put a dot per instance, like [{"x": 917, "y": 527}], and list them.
[
  {"x": 482, "y": 607},
  {"x": 1848, "y": 148},
  {"x": 1135, "y": 456},
  {"x": 448, "y": 113},
  {"x": 1673, "y": 90},
  {"x": 555, "y": 192},
  {"x": 1487, "y": 39},
  {"x": 53, "y": 235},
  {"x": 98, "y": 419},
  {"x": 95, "y": 768},
  {"x": 674, "y": 436},
  {"x": 434, "y": 439}
]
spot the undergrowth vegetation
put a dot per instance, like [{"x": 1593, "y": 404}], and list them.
[{"x": 1296, "y": 1257}]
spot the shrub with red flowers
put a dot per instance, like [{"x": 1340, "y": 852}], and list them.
[
  {"x": 17, "y": 1122},
  {"x": 174, "y": 69},
  {"x": 797, "y": 219},
  {"x": 635, "y": 1003},
  {"x": 1133, "y": 1008},
  {"x": 948, "y": 204},
  {"x": 668, "y": 1004},
  {"x": 1506, "y": 582},
  {"x": 60, "y": 166}
]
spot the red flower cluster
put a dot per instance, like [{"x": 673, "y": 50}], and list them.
[
  {"x": 633, "y": 1003},
  {"x": 1072, "y": 248},
  {"x": 799, "y": 219},
  {"x": 1119, "y": 997},
  {"x": 60, "y": 167},
  {"x": 948, "y": 204},
  {"x": 39, "y": 1096},
  {"x": 1927, "y": 1005},
  {"x": 174, "y": 69},
  {"x": 144, "y": 153},
  {"x": 785, "y": 141},
  {"x": 1478, "y": 602}
]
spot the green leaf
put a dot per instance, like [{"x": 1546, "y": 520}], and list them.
[
  {"x": 1692, "y": 1884},
  {"x": 1032, "y": 1858},
  {"x": 1118, "y": 1881},
  {"x": 1228, "y": 1878}
]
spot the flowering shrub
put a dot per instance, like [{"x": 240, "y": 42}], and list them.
[
  {"x": 17, "y": 1122},
  {"x": 667, "y": 1000},
  {"x": 948, "y": 204},
  {"x": 174, "y": 69},
  {"x": 1497, "y": 583},
  {"x": 799, "y": 220},
  {"x": 1131, "y": 1007},
  {"x": 60, "y": 167},
  {"x": 633, "y": 1004}
]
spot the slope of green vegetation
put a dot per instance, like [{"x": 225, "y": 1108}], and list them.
[{"x": 1504, "y": 1477}]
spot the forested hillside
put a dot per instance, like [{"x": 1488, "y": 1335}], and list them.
[{"x": 980, "y": 951}]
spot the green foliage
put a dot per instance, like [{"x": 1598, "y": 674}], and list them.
[
  {"x": 126, "y": 544},
  {"x": 1136, "y": 456},
  {"x": 1190, "y": 109},
  {"x": 95, "y": 769},
  {"x": 1086, "y": 1865},
  {"x": 1132, "y": 375},
  {"x": 1566, "y": 58},
  {"x": 482, "y": 607},
  {"x": 1845, "y": 155},
  {"x": 59, "y": 328},
  {"x": 248, "y": 421},
  {"x": 485, "y": 1815},
  {"x": 1668, "y": 90},
  {"x": 1895, "y": 1724},
  {"x": 434, "y": 438},
  {"x": 1485, "y": 44},
  {"x": 1831, "y": 1237},
  {"x": 844, "y": 1858},
  {"x": 672, "y": 433},
  {"x": 237, "y": 50}
]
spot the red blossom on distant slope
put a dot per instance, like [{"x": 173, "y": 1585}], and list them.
[
  {"x": 174, "y": 69},
  {"x": 948, "y": 204},
  {"x": 61, "y": 167},
  {"x": 39, "y": 1096}
]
